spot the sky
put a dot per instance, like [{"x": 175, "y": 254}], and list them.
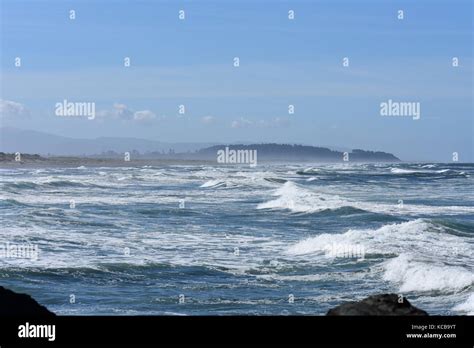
[{"x": 282, "y": 62}]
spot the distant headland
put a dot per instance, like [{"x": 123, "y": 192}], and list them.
[{"x": 55, "y": 148}]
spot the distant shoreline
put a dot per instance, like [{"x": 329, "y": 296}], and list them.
[
  {"x": 75, "y": 162},
  {"x": 37, "y": 161},
  {"x": 237, "y": 154}
]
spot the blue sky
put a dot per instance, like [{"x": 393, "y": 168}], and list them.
[{"x": 190, "y": 62}]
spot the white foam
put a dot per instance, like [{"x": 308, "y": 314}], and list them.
[
  {"x": 317, "y": 244},
  {"x": 426, "y": 256},
  {"x": 413, "y": 171},
  {"x": 213, "y": 183},
  {"x": 391, "y": 239},
  {"x": 221, "y": 184},
  {"x": 304, "y": 200},
  {"x": 426, "y": 276},
  {"x": 311, "y": 170},
  {"x": 62, "y": 248},
  {"x": 403, "y": 171},
  {"x": 467, "y": 306},
  {"x": 298, "y": 199}
]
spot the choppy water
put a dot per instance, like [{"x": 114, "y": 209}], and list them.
[{"x": 246, "y": 239}]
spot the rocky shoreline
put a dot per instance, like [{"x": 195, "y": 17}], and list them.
[{"x": 13, "y": 304}]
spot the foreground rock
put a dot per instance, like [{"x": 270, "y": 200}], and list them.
[
  {"x": 20, "y": 305},
  {"x": 385, "y": 304}
]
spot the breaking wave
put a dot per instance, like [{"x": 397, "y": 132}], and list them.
[
  {"x": 427, "y": 256},
  {"x": 298, "y": 199}
]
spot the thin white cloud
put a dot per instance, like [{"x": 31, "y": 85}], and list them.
[
  {"x": 144, "y": 115},
  {"x": 208, "y": 119},
  {"x": 11, "y": 109},
  {"x": 273, "y": 123},
  {"x": 123, "y": 112},
  {"x": 242, "y": 123}
]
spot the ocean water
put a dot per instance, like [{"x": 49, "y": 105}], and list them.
[{"x": 229, "y": 240}]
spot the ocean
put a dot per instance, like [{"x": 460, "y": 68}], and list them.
[{"x": 276, "y": 239}]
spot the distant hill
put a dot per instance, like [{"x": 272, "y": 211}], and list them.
[
  {"x": 30, "y": 141},
  {"x": 276, "y": 152}
]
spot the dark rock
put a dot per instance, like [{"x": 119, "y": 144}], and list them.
[
  {"x": 20, "y": 305},
  {"x": 385, "y": 304}
]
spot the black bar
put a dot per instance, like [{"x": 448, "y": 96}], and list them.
[{"x": 290, "y": 330}]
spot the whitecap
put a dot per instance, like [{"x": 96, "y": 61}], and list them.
[
  {"x": 213, "y": 184},
  {"x": 426, "y": 256},
  {"x": 467, "y": 306},
  {"x": 414, "y": 275},
  {"x": 299, "y": 199}
]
